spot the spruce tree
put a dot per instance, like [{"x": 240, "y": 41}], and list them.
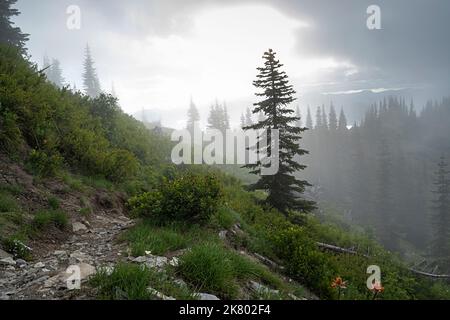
[
  {"x": 441, "y": 217},
  {"x": 10, "y": 35},
  {"x": 248, "y": 117},
  {"x": 90, "y": 79},
  {"x": 283, "y": 188},
  {"x": 342, "y": 121},
  {"x": 242, "y": 120},
  {"x": 56, "y": 74},
  {"x": 193, "y": 117},
  {"x": 319, "y": 118},
  {"x": 333, "y": 121},
  {"x": 309, "y": 122}
]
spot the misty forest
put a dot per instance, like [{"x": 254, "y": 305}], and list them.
[{"x": 88, "y": 181}]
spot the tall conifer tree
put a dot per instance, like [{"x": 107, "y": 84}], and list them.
[{"x": 284, "y": 190}]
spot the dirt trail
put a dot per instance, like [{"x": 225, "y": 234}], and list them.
[{"x": 44, "y": 277}]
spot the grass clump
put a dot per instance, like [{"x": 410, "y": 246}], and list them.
[
  {"x": 44, "y": 219},
  {"x": 130, "y": 282},
  {"x": 211, "y": 267},
  {"x": 163, "y": 239},
  {"x": 8, "y": 203},
  {"x": 53, "y": 203}
]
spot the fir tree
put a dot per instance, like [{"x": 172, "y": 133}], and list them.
[
  {"x": 283, "y": 188},
  {"x": 324, "y": 118},
  {"x": 333, "y": 121},
  {"x": 193, "y": 117},
  {"x": 10, "y": 35},
  {"x": 248, "y": 117},
  {"x": 319, "y": 118},
  {"x": 309, "y": 122},
  {"x": 441, "y": 208},
  {"x": 342, "y": 121},
  {"x": 90, "y": 78},
  {"x": 242, "y": 120}
]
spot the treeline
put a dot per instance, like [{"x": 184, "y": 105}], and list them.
[
  {"x": 383, "y": 170},
  {"x": 91, "y": 83}
]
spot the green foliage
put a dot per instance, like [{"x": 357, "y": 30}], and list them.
[
  {"x": 190, "y": 198},
  {"x": 126, "y": 282},
  {"x": 130, "y": 282},
  {"x": 212, "y": 268},
  {"x": 44, "y": 219},
  {"x": 53, "y": 203},
  {"x": 10, "y": 135},
  {"x": 224, "y": 218},
  {"x": 8, "y": 203},
  {"x": 120, "y": 165},
  {"x": 15, "y": 245},
  {"x": 304, "y": 261},
  {"x": 43, "y": 164},
  {"x": 90, "y": 135}
]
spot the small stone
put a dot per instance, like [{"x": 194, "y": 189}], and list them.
[
  {"x": 78, "y": 226},
  {"x": 159, "y": 295},
  {"x": 4, "y": 254},
  {"x": 223, "y": 234},
  {"x": 140, "y": 259},
  {"x": 60, "y": 253},
  {"x": 39, "y": 265},
  {"x": 21, "y": 263},
  {"x": 45, "y": 270},
  {"x": 174, "y": 262},
  {"x": 8, "y": 261},
  {"x": 206, "y": 296}
]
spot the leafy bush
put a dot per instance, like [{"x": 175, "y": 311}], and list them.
[
  {"x": 304, "y": 261},
  {"x": 10, "y": 135},
  {"x": 43, "y": 164},
  {"x": 16, "y": 247},
  {"x": 120, "y": 165},
  {"x": 190, "y": 198}
]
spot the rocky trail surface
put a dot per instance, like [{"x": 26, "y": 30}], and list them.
[{"x": 89, "y": 247}]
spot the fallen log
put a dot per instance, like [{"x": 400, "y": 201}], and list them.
[
  {"x": 339, "y": 249},
  {"x": 430, "y": 275}
]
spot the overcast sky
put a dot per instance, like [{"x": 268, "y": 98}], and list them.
[{"x": 159, "y": 53}]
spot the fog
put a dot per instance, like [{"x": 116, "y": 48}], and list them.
[{"x": 159, "y": 54}]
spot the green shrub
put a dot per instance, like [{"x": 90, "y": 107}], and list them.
[
  {"x": 224, "y": 218},
  {"x": 15, "y": 245},
  {"x": 120, "y": 165},
  {"x": 304, "y": 261},
  {"x": 10, "y": 135},
  {"x": 191, "y": 198},
  {"x": 43, "y": 164},
  {"x": 44, "y": 219}
]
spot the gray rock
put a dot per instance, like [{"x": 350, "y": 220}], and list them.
[
  {"x": 174, "y": 262},
  {"x": 60, "y": 253},
  {"x": 156, "y": 262},
  {"x": 223, "y": 234},
  {"x": 206, "y": 296},
  {"x": 159, "y": 295},
  {"x": 140, "y": 259},
  {"x": 8, "y": 261},
  {"x": 78, "y": 227},
  {"x": 262, "y": 288},
  {"x": 21, "y": 263},
  {"x": 4, "y": 254},
  {"x": 39, "y": 265}
]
